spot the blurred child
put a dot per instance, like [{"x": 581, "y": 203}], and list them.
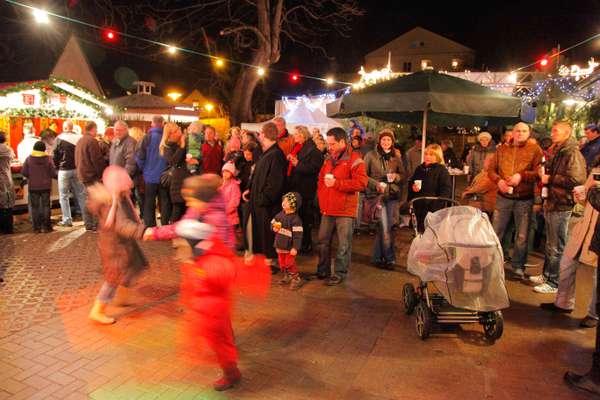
[
  {"x": 119, "y": 228},
  {"x": 230, "y": 190},
  {"x": 39, "y": 170},
  {"x": 287, "y": 226}
]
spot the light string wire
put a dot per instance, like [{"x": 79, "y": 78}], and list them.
[{"x": 169, "y": 46}]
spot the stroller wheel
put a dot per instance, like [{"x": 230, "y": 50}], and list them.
[
  {"x": 493, "y": 325},
  {"x": 410, "y": 298},
  {"x": 424, "y": 320}
]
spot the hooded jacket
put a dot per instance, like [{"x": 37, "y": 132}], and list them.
[
  {"x": 64, "y": 152},
  {"x": 39, "y": 170},
  {"x": 567, "y": 169},
  {"x": 289, "y": 235},
  {"x": 148, "y": 158},
  {"x": 7, "y": 189}
]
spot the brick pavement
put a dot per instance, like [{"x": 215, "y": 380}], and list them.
[{"x": 347, "y": 342}]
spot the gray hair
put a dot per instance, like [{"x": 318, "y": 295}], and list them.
[
  {"x": 122, "y": 123},
  {"x": 68, "y": 126}
]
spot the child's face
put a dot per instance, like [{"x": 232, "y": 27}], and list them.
[
  {"x": 248, "y": 155},
  {"x": 226, "y": 175},
  {"x": 285, "y": 204}
]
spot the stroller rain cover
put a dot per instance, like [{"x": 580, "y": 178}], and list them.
[{"x": 460, "y": 253}]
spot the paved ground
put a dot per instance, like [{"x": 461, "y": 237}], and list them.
[{"x": 347, "y": 342}]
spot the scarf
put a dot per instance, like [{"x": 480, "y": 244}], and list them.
[{"x": 295, "y": 150}]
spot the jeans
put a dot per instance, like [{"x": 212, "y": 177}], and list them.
[
  {"x": 565, "y": 297},
  {"x": 557, "y": 225},
  {"x": 306, "y": 215},
  {"x": 359, "y": 211},
  {"x": 383, "y": 251},
  {"x": 152, "y": 191},
  {"x": 69, "y": 183},
  {"x": 107, "y": 293},
  {"x": 521, "y": 211},
  {"x": 177, "y": 211},
  {"x": 39, "y": 200},
  {"x": 343, "y": 228}
]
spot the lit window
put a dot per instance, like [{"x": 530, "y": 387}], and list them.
[{"x": 426, "y": 64}]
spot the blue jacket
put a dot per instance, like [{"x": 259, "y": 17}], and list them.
[
  {"x": 590, "y": 151},
  {"x": 148, "y": 159}
]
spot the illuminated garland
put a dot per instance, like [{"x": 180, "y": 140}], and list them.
[{"x": 34, "y": 112}]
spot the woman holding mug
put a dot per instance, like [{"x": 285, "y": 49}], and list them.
[
  {"x": 385, "y": 170},
  {"x": 431, "y": 178},
  {"x": 172, "y": 148}
]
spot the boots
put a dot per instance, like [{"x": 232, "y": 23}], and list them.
[
  {"x": 123, "y": 297},
  {"x": 286, "y": 279},
  {"x": 231, "y": 376},
  {"x": 296, "y": 281},
  {"x": 97, "y": 314}
]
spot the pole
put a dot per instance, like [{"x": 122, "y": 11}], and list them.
[{"x": 424, "y": 132}]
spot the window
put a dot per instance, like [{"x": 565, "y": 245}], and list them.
[
  {"x": 426, "y": 64},
  {"x": 407, "y": 67},
  {"x": 456, "y": 63}
]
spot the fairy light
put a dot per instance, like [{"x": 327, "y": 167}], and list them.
[
  {"x": 261, "y": 71},
  {"x": 329, "y": 81},
  {"x": 40, "y": 16},
  {"x": 219, "y": 62},
  {"x": 171, "y": 49}
]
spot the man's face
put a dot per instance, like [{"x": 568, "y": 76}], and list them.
[
  {"x": 93, "y": 132},
  {"x": 334, "y": 146},
  {"x": 120, "y": 131},
  {"x": 508, "y": 135},
  {"x": 280, "y": 125},
  {"x": 590, "y": 134},
  {"x": 521, "y": 133},
  {"x": 559, "y": 133},
  {"x": 210, "y": 135}
]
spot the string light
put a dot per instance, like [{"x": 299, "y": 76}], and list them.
[
  {"x": 171, "y": 49},
  {"x": 209, "y": 107},
  {"x": 219, "y": 62},
  {"x": 260, "y": 71},
  {"x": 329, "y": 81},
  {"x": 40, "y": 16}
]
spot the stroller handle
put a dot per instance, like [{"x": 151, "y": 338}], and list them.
[{"x": 410, "y": 203}]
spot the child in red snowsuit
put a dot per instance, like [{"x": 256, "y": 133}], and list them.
[{"x": 211, "y": 271}]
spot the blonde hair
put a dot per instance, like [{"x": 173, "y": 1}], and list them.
[
  {"x": 235, "y": 131},
  {"x": 136, "y": 133},
  {"x": 195, "y": 127},
  {"x": 169, "y": 128},
  {"x": 304, "y": 131},
  {"x": 436, "y": 150}
]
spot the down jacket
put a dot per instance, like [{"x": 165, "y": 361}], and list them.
[
  {"x": 522, "y": 158},
  {"x": 567, "y": 170}
]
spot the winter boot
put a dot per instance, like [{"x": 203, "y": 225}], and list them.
[
  {"x": 231, "y": 376},
  {"x": 286, "y": 279},
  {"x": 296, "y": 281},
  {"x": 97, "y": 314}
]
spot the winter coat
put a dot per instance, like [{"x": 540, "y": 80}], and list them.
[
  {"x": 377, "y": 168},
  {"x": 581, "y": 236},
  {"x": 89, "y": 160},
  {"x": 289, "y": 235},
  {"x": 122, "y": 153},
  {"x": 244, "y": 173},
  {"x": 39, "y": 171},
  {"x": 567, "y": 170},
  {"x": 435, "y": 181},
  {"x": 7, "y": 188},
  {"x": 303, "y": 178},
  {"x": 482, "y": 192},
  {"x": 593, "y": 197},
  {"x": 590, "y": 151},
  {"x": 477, "y": 156},
  {"x": 212, "y": 158},
  {"x": 413, "y": 160},
  {"x": 174, "y": 155},
  {"x": 148, "y": 157},
  {"x": 522, "y": 158},
  {"x": 231, "y": 194},
  {"x": 64, "y": 152},
  {"x": 341, "y": 200},
  {"x": 266, "y": 189},
  {"x": 120, "y": 254},
  {"x": 286, "y": 143}
]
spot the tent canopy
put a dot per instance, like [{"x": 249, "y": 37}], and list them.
[
  {"x": 301, "y": 115},
  {"x": 449, "y": 101}
]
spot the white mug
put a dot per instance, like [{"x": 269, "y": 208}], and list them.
[{"x": 418, "y": 184}]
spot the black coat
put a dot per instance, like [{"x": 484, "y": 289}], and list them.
[
  {"x": 175, "y": 157},
  {"x": 266, "y": 189},
  {"x": 436, "y": 182},
  {"x": 304, "y": 176},
  {"x": 593, "y": 196}
]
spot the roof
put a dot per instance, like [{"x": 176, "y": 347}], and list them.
[{"x": 142, "y": 101}]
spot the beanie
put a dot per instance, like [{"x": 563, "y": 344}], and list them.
[
  {"x": 294, "y": 199},
  {"x": 39, "y": 146}
]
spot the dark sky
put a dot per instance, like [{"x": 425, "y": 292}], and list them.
[{"x": 504, "y": 34}]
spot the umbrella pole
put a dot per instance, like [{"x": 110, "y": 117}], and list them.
[{"x": 424, "y": 133}]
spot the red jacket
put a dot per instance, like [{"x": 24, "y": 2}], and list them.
[
  {"x": 212, "y": 158},
  {"x": 341, "y": 200}
]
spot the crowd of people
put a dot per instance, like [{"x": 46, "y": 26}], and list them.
[{"x": 263, "y": 193}]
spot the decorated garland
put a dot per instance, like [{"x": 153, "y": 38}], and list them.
[{"x": 34, "y": 112}]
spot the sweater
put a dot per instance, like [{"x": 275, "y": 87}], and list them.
[
  {"x": 148, "y": 158},
  {"x": 212, "y": 158},
  {"x": 289, "y": 235},
  {"x": 39, "y": 170}
]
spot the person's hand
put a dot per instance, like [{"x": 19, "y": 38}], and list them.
[
  {"x": 246, "y": 195},
  {"x": 276, "y": 226},
  {"x": 416, "y": 188},
  {"x": 294, "y": 160},
  {"x": 147, "y": 234},
  {"x": 545, "y": 179},
  {"x": 515, "y": 180},
  {"x": 293, "y": 252},
  {"x": 503, "y": 186}
]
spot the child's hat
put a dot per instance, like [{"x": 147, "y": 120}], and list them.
[
  {"x": 39, "y": 146},
  {"x": 294, "y": 199},
  {"x": 229, "y": 166}
]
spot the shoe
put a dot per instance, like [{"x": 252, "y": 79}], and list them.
[
  {"x": 544, "y": 288},
  {"x": 97, "y": 314},
  {"x": 296, "y": 282},
  {"x": 92, "y": 229},
  {"x": 537, "y": 279},
  {"x": 286, "y": 279},
  {"x": 517, "y": 274},
  {"x": 334, "y": 280},
  {"x": 306, "y": 249},
  {"x": 274, "y": 270},
  {"x": 583, "y": 382},
  {"x": 37, "y": 230},
  {"x": 123, "y": 297},
  {"x": 230, "y": 377},
  {"x": 389, "y": 265},
  {"x": 321, "y": 276},
  {"x": 378, "y": 264},
  {"x": 588, "y": 322},
  {"x": 65, "y": 224},
  {"x": 47, "y": 229},
  {"x": 554, "y": 308}
]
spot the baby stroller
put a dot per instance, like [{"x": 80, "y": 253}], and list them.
[{"x": 459, "y": 253}]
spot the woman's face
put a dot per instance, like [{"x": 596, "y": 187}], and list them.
[
  {"x": 298, "y": 137},
  {"x": 429, "y": 158},
  {"x": 248, "y": 155},
  {"x": 484, "y": 142},
  {"x": 386, "y": 143},
  {"x": 175, "y": 135},
  {"x": 356, "y": 132}
]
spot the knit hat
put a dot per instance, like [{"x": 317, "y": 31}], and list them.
[
  {"x": 484, "y": 134},
  {"x": 229, "y": 166},
  {"x": 294, "y": 199},
  {"x": 202, "y": 187},
  {"x": 388, "y": 133},
  {"x": 592, "y": 127},
  {"x": 39, "y": 146}
]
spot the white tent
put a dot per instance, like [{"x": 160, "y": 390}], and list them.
[{"x": 301, "y": 114}]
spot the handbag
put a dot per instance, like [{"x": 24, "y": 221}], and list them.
[
  {"x": 167, "y": 177},
  {"x": 371, "y": 211}
]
